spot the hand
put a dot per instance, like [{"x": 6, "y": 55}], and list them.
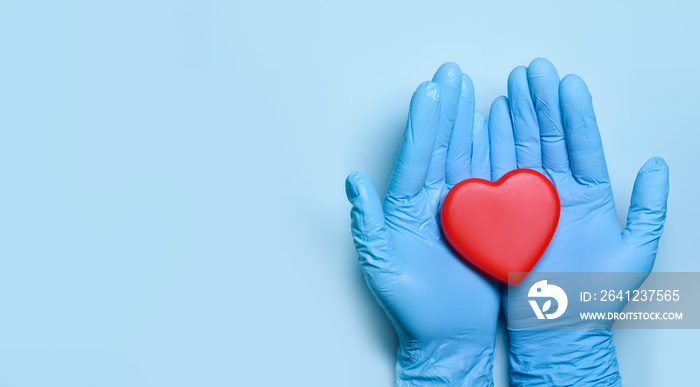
[
  {"x": 549, "y": 126},
  {"x": 445, "y": 314}
]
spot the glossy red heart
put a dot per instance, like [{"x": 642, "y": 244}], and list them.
[{"x": 502, "y": 227}]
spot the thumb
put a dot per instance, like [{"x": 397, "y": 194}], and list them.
[
  {"x": 647, "y": 213},
  {"x": 367, "y": 216}
]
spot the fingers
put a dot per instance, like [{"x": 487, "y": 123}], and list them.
[
  {"x": 481, "y": 163},
  {"x": 416, "y": 151},
  {"x": 526, "y": 131},
  {"x": 581, "y": 131},
  {"x": 449, "y": 79},
  {"x": 501, "y": 139},
  {"x": 647, "y": 213},
  {"x": 459, "y": 151},
  {"x": 543, "y": 80},
  {"x": 367, "y": 216}
]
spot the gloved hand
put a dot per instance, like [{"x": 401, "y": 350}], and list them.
[
  {"x": 445, "y": 314},
  {"x": 549, "y": 126}
]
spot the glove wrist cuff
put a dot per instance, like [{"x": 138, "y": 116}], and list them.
[
  {"x": 556, "y": 357},
  {"x": 446, "y": 363}
]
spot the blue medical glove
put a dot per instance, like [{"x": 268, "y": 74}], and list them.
[
  {"x": 549, "y": 126},
  {"x": 443, "y": 311}
]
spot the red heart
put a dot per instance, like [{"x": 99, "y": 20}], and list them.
[{"x": 504, "y": 226}]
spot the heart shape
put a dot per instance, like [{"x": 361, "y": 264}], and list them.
[{"x": 502, "y": 227}]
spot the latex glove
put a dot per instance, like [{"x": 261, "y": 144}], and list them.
[
  {"x": 444, "y": 313},
  {"x": 549, "y": 126}
]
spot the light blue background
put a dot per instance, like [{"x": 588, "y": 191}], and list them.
[{"x": 172, "y": 208}]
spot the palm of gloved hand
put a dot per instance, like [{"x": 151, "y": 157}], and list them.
[
  {"x": 549, "y": 126},
  {"x": 444, "y": 312},
  {"x": 589, "y": 237}
]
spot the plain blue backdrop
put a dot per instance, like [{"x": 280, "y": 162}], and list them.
[{"x": 172, "y": 207}]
